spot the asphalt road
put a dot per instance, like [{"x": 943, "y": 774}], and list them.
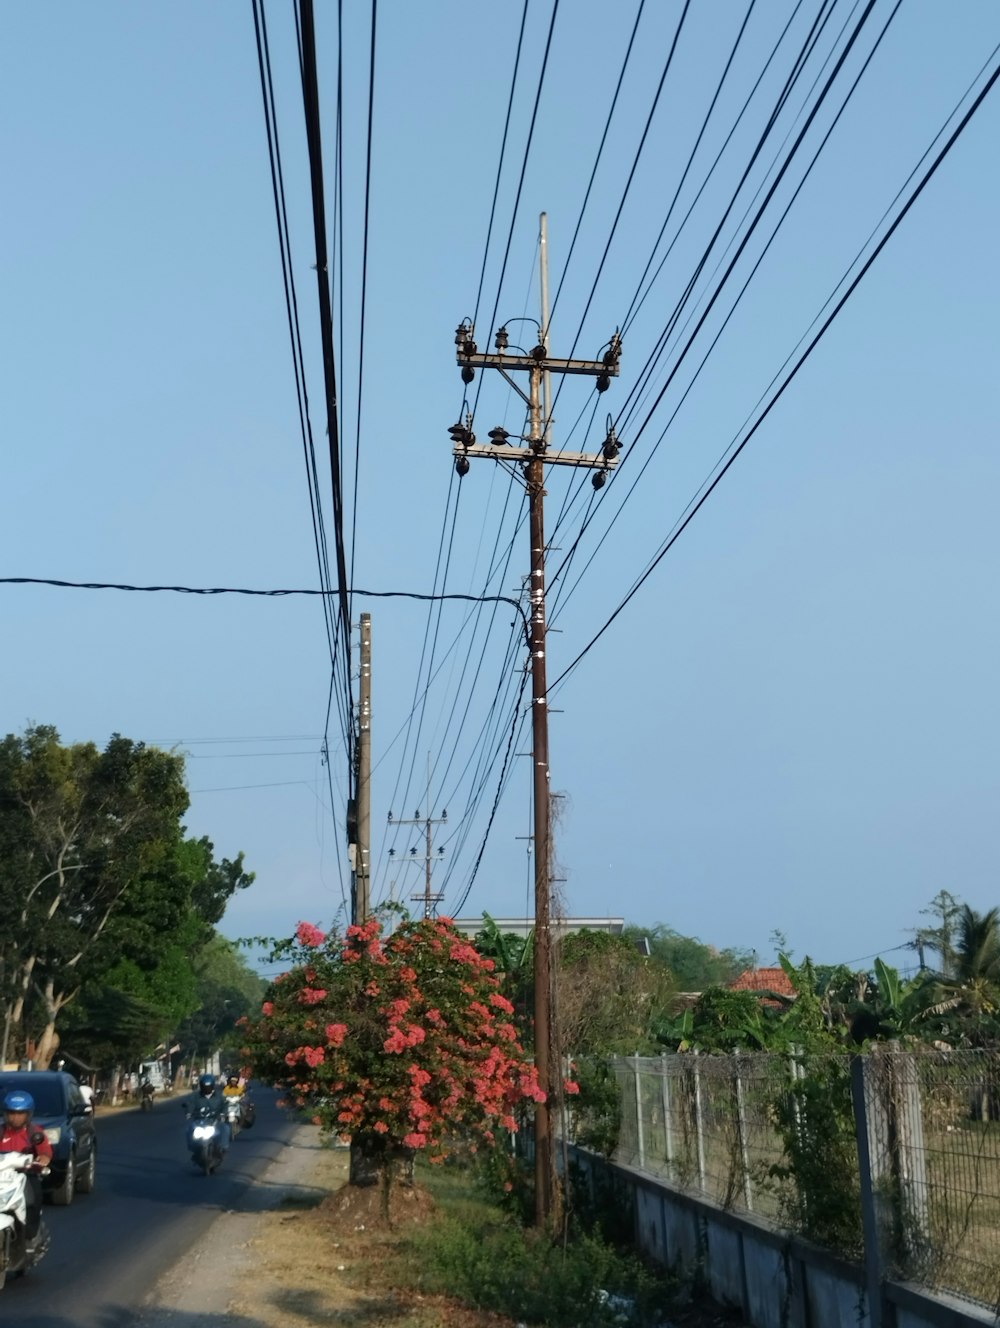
[{"x": 148, "y": 1209}]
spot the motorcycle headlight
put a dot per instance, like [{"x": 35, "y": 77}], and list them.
[
  {"x": 203, "y": 1131},
  {"x": 53, "y": 1134}
]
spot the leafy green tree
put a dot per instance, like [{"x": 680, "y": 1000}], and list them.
[
  {"x": 227, "y": 991},
  {"x": 609, "y": 997},
  {"x": 695, "y": 966},
  {"x": 83, "y": 824},
  {"x": 726, "y": 1021},
  {"x": 105, "y": 899}
]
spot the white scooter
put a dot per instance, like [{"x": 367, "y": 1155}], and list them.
[{"x": 17, "y": 1255}]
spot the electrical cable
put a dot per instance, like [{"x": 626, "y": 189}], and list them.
[
  {"x": 364, "y": 290},
  {"x": 503, "y": 150},
  {"x": 597, "y": 159},
  {"x": 725, "y": 322},
  {"x": 310, "y": 98},
  {"x": 738, "y": 448},
  {"x": 800, "y": 64},
  {"x": 524, "y": 162}
]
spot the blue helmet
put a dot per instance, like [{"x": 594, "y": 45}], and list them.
[
  {"x": 206, "y": 1085},
  {"x": 18, "y": 1100}
]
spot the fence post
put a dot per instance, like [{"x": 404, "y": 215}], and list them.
[
  {"x": 741, "y": 1131},
  {"x": 640, "y": 1134},
  {"x": 871, "y": 1124},
  {"x": 911, "y": 1158},
  {"x": 699, "y": 1123},
  {"x": 668, "y": 1125}
]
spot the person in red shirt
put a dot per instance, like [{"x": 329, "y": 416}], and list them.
[{"x": 17, "y": 1136}]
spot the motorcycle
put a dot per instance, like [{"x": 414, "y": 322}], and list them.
[
  {"x": 234, "y": 1114},
  {"x": 17, "y": 1254},
  {"x": 207, "y": 1137}
]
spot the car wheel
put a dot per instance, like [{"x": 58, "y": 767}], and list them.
[
  {"x": 87, "y": 1178},
  {"x": 63, "y": 1194}
]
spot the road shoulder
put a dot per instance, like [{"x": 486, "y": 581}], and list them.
[{"x": 223, "y": 1275}]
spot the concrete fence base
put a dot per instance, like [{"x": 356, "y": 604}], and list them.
[{"x": 776, "y": 1280}]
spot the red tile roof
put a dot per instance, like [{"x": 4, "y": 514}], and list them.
[{"x": 764, "y": 979}]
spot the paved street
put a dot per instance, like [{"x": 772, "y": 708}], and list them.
[{"x": 149, "y": 1208}]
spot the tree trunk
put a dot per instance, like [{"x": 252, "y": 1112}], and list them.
[
  {"x": 373, "y": 1162},
  {"x": 367, "y": 1160}
]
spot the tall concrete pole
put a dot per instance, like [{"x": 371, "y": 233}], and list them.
[
  {"x": 363, "y": 857},
  {"x": 545, "y": 1177}
]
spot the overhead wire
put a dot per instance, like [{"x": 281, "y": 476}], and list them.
[
  {"x": 310, "y": 99},
  {"x": 739, "y": 446},
  {"x": 735, "y": 304},
  {"x": 364, "y": 288},
  {"x": 800, "y": 66}
]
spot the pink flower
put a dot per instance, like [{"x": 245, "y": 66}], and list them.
[
  {"x": 308, "y": 934},
  {"x": 570, "y": 1087},
  {"x": 314, "y": 1056},
  {"x": 335, "y": 1034},
  {"x": 311, "y": 995},
  {"x": 414, "y": 1140},
  {"x": 380, "y": 1127},
  {"x": 267, "y": 1008}
]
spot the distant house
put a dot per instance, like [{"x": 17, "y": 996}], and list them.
[{"x": 766, "y": 981}]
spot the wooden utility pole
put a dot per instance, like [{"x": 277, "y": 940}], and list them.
[
  {"x": 362, "y": 856},
  {"x": 532, "y": 459}
]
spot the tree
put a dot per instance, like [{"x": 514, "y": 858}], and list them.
[
  {"x": 946, "y": 908},
  {"x": 403, "y": 1042},
  {"x": 977, "y": 954},
  {"x": 101, "y": 891},
  {"x": 609, "y": 997},
  {"x": 695, "y": 966},
  {"x": 81, "y": 826},
  {"x": 228, "y": 990}
]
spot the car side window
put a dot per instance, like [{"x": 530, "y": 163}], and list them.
[{"x": 75, "y": 1097}]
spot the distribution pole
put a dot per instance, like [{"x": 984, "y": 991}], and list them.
[
  {"x": 363, "y": 851},
  {"x": 427, "y": 897},
  {"x": 532, "y": 458}
]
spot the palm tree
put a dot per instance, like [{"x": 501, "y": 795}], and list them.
[{"x": 977, "y": 954}]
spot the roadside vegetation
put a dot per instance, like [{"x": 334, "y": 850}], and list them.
[{"x": 109, "y": 945}]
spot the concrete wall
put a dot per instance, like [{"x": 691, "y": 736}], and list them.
[{"x": 775, "y": 1279}]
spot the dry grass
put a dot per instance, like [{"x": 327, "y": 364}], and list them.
[{"x": 339, "y": 1261}]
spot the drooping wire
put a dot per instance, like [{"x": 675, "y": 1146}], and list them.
[
  {"x": 364, "y": 289},
  {"x": 738, "y": 447},
  {"x": 600, "y": 153},
  {"x": 800, "y": 65},
  {"x": 310, "y": 98}
]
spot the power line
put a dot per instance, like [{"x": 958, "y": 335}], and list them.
[
  {"x": 265, "y": 594},
  {"x": 709, "y": 489}
]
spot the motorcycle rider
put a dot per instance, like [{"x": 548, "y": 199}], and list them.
[
  {"x": 209, "y": 1099},
  {"x": 17, "y": 1136},
  {"x": 233, "y": 1087}
]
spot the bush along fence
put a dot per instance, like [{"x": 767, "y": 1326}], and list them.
[{"x": 888, "y": 1161}]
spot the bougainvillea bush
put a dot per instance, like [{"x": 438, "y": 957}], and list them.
[{"x": 403, "y": 1042}]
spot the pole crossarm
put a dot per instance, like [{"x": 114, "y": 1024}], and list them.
[
  {"x": 593, "y": 368},
  {"x": 595, "y": 461}
]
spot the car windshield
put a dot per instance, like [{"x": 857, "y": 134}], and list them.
[{"x": 47, "y": 1093}]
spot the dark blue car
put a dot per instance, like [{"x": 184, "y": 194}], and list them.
[{"x": 68, "y": 1121}]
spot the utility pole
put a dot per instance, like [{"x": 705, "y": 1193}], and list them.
[
  {"x": 359, "y": 824},
  {"x": 428, "y": 897},
  {"x": 531, "y": 460}
]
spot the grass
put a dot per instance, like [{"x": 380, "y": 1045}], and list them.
[{"x": 476, "y": 1252}]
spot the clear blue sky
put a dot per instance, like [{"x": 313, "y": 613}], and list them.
[{"x": 793, "y": 725}]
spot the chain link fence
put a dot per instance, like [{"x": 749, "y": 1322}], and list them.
[{"x": 891, "y": 1158}]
